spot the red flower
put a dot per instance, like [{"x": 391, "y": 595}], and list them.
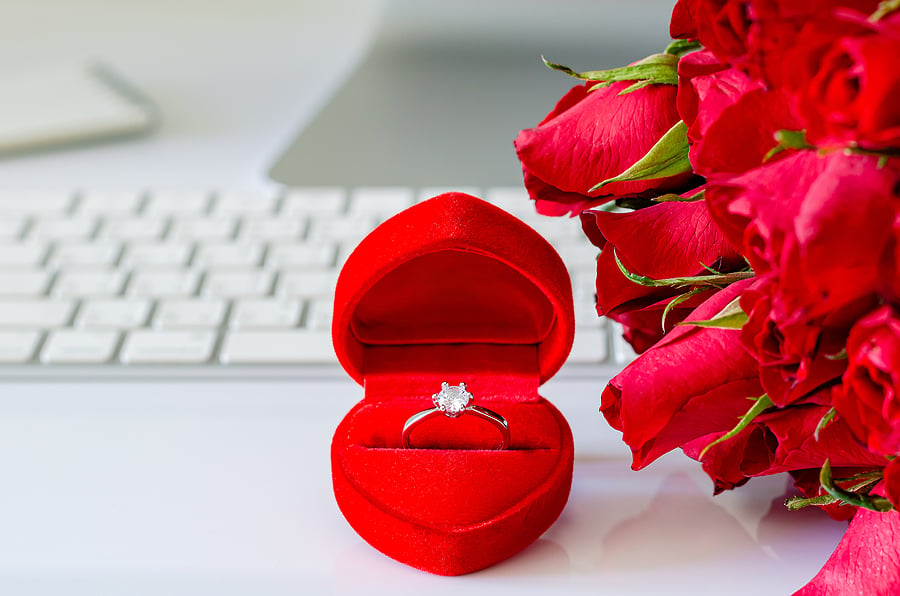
[
  {"x": 721, "y": 25},
  {"x": 591, "y": 135},
  {"x": 892, "y": 482},
  {"x": 796, "y": 355},
  {"x": 732, "y": 118},
  {"x": 644, "y": 327},
  {"x": 865, "y": 561},
  {"x": 870, "y": 396},
  {"x": 845, "y": 74},
  {"x": 670, "y": 239},
  {"x": 694, "y": 382},
  {"x": 802, "y": 216}
]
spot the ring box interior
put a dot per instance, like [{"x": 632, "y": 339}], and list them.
[{"x": 452, "y": 289}]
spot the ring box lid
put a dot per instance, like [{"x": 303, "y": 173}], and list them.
[{"x": 453, "y": 289}]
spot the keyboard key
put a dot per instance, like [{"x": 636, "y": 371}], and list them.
[
  {"x": 285, "y": 256},
  {"x": 71, "y": 346},
  {"x": 156, "y": 254},
  {"x": 17, "y": 346},
  {"x": 167, "y": 347},
  {"x": 18, "y": 254},
  {"x": 284, "y": 228},
  {"x": 265, "y": 313},
  {"x": 79, "y": 284},
  {"x": 318, "y": 317},
  {"x": 84, "y": 254},
  {"x": 35, "y": 312},
  {"x": 24, "y": 282},
  {"x": 278, "y": 347},
  {"x": 244, "y": 202},
  {"x": 306, "y": 284},
  {"x": 62, "y": 228},
  {"x": 340, "y": 230},
  {"x": 379, "y": 203},
  {"x": 590, "y": 346},
  {"x": 108, "y": 202},
  {"x": 114, "y": 313},
  {"x": 228, "y": 254},
  {"x": 198, "y": 229},
  {"x": 251, "y": 282},
  {"x": 37, "y": 202},
  {"x": 181, "y": 202},
  {"x": 11, "y": 227},
  {"x": 132, "y": 228},
  {"x": 162, "y": 283},
  {"x": 189, "y": 313},
  {"x": 318, "y": 201}
]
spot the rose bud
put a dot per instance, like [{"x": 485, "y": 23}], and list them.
[{"x": 596, "y": 133}]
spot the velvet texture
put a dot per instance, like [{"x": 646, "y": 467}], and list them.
[{"x": 453, "y": 290}]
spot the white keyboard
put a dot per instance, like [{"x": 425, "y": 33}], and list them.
[{"x": 94, "y": 280}]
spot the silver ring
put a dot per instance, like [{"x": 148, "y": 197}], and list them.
[{"x": 453, "y": 402}]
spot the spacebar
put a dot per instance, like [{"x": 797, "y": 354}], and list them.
[{"x": 277, "y": 347}]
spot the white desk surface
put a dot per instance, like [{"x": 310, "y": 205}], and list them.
[{"x": 224, "y": 487}]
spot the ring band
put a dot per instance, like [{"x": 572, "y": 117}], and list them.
[{"x": 452, "y": 402}]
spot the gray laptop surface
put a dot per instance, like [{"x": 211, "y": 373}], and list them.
[{"x": 446, "y": 87}]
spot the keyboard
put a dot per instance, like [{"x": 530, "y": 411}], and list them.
[{"x": 108, "y": 282}]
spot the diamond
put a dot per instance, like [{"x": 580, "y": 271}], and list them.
[{"x": 452, "y": 401}]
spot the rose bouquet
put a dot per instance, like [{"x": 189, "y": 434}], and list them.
[{"x": 743, "y": 188}]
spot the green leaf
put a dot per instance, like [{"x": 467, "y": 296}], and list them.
[
  {"x": 760, "y": 404},
  {"x": 680, "y": 47},
  {"x": 873, "y": 502},
  {"x": 717, "y": 281},
  {"x": 885, "y": 7},
  {"x": 668, "y": 157},
  {"x": 826, "y": 419},
  {"x": 659, "y": 69},
  {"x": 730, "y": 317}
]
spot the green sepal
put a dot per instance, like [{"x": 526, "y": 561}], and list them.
[
  {"x": 760, "y": 405},
  {"x": 872, "y": 502},
  {"x": 678, "y": 300},
  {"x": 673, "y": 198},
  {"x": 657, "y": 69},
  {"x": 717, "y": 281},
  {"x": 668, "y": 157},
  {"x": 825, "y": 421},
  {"x": 842, "y": 355},
  {"x": 885, "y": 7},
  {"x": 797, "y": 503},
  {"x": 680, "y": 47},
  {"x": 787, "y": 139},
  {"x": 730, "y": 317}
]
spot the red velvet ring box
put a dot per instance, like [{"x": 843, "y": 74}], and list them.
[{"x": 456, "y": 290}]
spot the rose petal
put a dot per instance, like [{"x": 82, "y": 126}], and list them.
[{"x": 867, "y": 560}]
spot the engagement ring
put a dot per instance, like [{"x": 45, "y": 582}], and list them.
[{"x": 453, "y": 402}]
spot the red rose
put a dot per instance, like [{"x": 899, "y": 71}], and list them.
[
  {"x": 781, "y": 440},
  {"x": 754, "y": 35},
  {"x": 644, "y": 327},
  {"x": 732, "y": 119},
  {"x": 670, "y": 239},
  {"x": 591, "y": 135},
  {"x": 869, "y": 399},
  {"x": 796, "y": 355},
  {"x": 807, "y": 482},
  {"x": 847, "y": 82},
  {"x": 801, "y": 217},
  {"x": 694, "y": 382}
]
